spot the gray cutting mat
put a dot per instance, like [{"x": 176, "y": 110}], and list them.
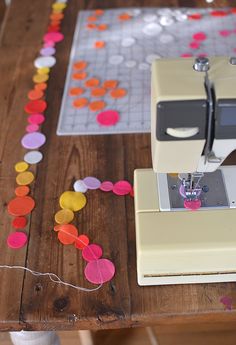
[{"x": 130, "y": 47}]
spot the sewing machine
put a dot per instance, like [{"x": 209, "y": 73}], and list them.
[{"x": 185, "y": 206}]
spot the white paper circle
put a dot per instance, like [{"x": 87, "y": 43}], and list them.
[
  {"x": 79, "y": 186},
  {"x": 33, "y": 157},
  {"x": 181, "y": 17},
  {"x": 152, "y": 29},
  {"x": 166, "y": 38},
  {"x": 149, "y": 17},
  {"x": 164, "y": 11},
  {"x": 143, "y": 66},
  {"x": 116, "y": 59},
  {"x": 135, "y": 12},
  {"x": 166, "y": 20},
  {"x": 150, "y": 58},
  {"x": 44, "y": 61},
  {"x": 127, "y": 42},
  {"x": 130, "y": 63}
]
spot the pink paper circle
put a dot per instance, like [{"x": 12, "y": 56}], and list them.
[
  {"x": 106, "y": 186},
  {"x": 91, "y": 182},
  {"x": 192, "y": 205},
  {"x": 225, "y": 33},
  {"x": 47, "y": 51},
  {"x": 49, "y": 44},
  {"x": 33, "y": 140},
  {"x": 99, "y": 271},
  {"x": 32, "y": 128},
  {"x": 36, "y": 119},
  {"x": 108, "y": 118},
  {"x": 17, "y": 240},
  {"x": 186, "y": 55},
  {"x": 92, "y": 252},
  {"x": 194, "y": 45},
  {"x": 199, "y": 36},
  {"x": 122, "y": 188},
  {"x": 53, "y": 36}
]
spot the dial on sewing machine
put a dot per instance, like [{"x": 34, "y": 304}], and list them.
[{"x": 185, "y": 207}]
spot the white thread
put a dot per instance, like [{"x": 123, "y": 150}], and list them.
[{"x": 53, "y": 277}]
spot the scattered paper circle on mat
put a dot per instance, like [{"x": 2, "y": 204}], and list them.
[
  {"x": 128, "y": 42},
  {"x": 149, "y": 17},
  {"x": 80, "y": 65},
  {"x": 116, "y": 59},
  {"x": 122, "y": 187},
  {"x": 166, "y": 20},
  {"x": 33, "y": 157},
  {"x": 67, "y": 233},
  {"x": 199, "y": 36},
  {"x": 99, "y": 271},
  {"x": 24, "y": 178},
  {"x": 20, "y": 206},
  {"x": 143, "y": 66},
  {"x": 92, "y": 252},
  {"x": 150, "y": 58},
  {"x": 17, "y": 240},
  {"x": 81, "y": 242},
  {"x": 64, "y": 216},
  {"x": 106, "y": 186},
  {"x": 44, "y": 61},
  {"x": 108, "y": 118},
  {"x": 33, "y": 140},
  {"x": 74, "y": 201},
  {"x": 97, "y": 105},
  {"x": 91, "y": 182},
  {"x": 79, "y": 186},
  {"x": 166, "y": 38},
  {"x": 130, "y": 63},
  {"x": 152, "y": 29}
]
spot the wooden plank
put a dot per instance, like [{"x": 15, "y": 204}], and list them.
[{"x": 107, "y": 220}]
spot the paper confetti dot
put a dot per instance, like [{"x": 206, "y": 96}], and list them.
[
  {"x": 91, "y": 182},
  {"x": 149, "y": 17},
  {"x": 64, "y": 216},
  {"x": 81, "y": 242},
  {"x": 32, "y": 128},
  {"x": 33, "y": 157},
  {"x": 80, "y": 65},
  {"x": 118, "y": 93},
  {"x": 98, "y": 92},
  {"x": 79, "y": 186},
  {"x": 40, "y": 86},
  {"x": 33, "y": 140},
  {"x": 166, "y": 20},
  {"x": 93, "y": 82},
  {"x": 130, "y": 63},
  {"x": 102, "y": 27},
  {"x": 53, "y": 36},
  {"x": 124, "y": 16},
  {"x": 47, "y": 51},
  {"x": 44, "y": 61},
  {"x": 35, "y": 106},
  {"x": 152, "y": 29},
  {"x": 79, "y": 76},
  {"x": 99, "y": 271},
  {"x": 166, "y": 38},
  {"x": 92, "y": 252},
  {"x": 116, "y": 59},
  {"x": 128, "y": 42},
  {"x": 199, "y": 36},
  {"x": 74, "y": 201},
  {"x": 143, "y": 66},
  {"x": 20, "y": 206},
  {"x": 24, "y": 178},
  {"x": 99, "y": 44},
  {"x": 108, "y": 118},
  {"x": 80, "y": 103},
  {"x": 21, "y": 166},
  {"x": 122, "y": 187},
  {"x": 106, "y": 186},
  {"x": 35, "y": 94},
  {"x": 194, "y": 45},
  {"x": 97, "y": 105},
  {"x": 19, "y": 222},
  {"x": 67, "y": 233},
  {"x": 110, "y": 84},
  {"x": 17, "y": 240},
  {"x": 152, "y": 57},
  {"x": 22, "y": 190},
  {"x": 76, "y": 91},
  {"x": 192, "y": 204}
]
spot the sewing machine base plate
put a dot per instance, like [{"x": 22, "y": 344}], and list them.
[{"x": 181, "y": 247}]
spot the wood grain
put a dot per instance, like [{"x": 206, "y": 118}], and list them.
[{"x": 35, "y": 303}]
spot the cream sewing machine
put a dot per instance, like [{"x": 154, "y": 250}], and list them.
[{"x": 185, "y": 207}]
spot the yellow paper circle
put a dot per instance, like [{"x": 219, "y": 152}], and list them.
[
  {"x": 43, "y": 70},
  {"x": 58, "y": 6},
  {"x": 74, "y": 201},
  {"x": 24, "y": 178},
  {"x": 21, "y": 166},
  {"x": 64, "y": 216},
  {"x": 40, "y": 78}
]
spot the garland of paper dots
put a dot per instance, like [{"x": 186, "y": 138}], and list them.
[{"x": 97, "y": 270}]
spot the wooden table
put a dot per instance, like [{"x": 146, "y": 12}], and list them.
[{"x": 32, "y": 303}]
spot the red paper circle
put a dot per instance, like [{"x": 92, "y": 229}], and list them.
[
  {"x": 19, "y": 222},
  {"x": 35, "y": 106}
]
